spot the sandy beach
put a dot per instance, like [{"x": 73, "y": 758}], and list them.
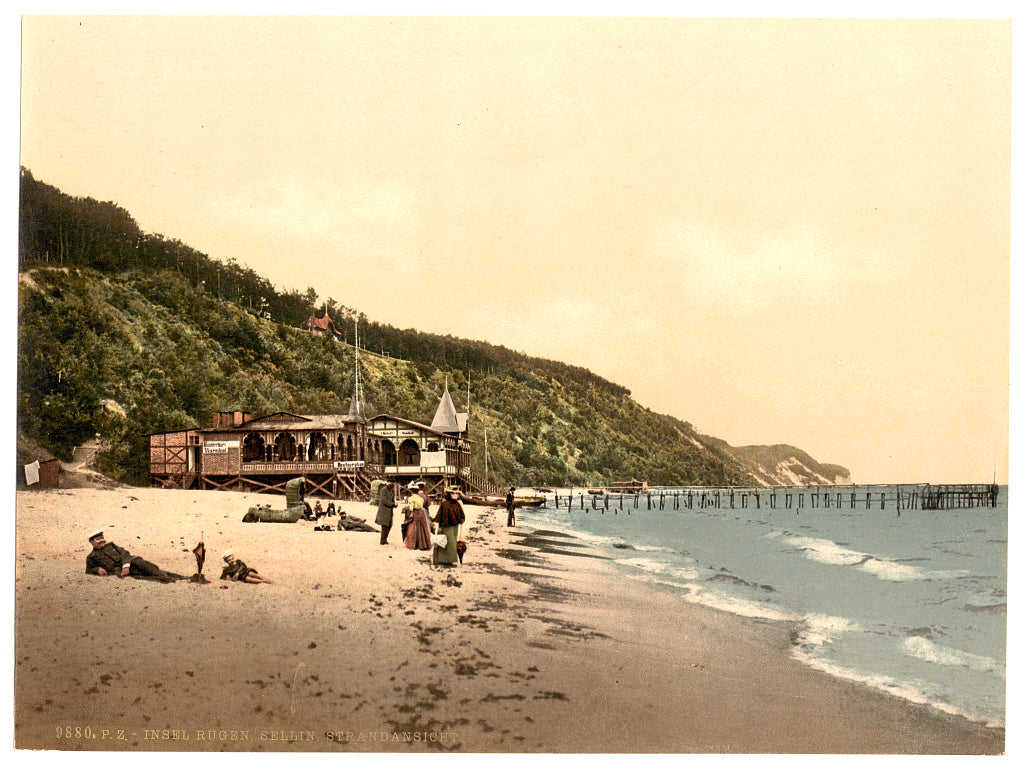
[{"x": 532, "y": 645}]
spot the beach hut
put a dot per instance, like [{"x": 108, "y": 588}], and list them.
[{"x": 37, "y": 469}]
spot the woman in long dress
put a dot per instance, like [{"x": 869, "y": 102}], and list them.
[
  {"x": 417, "y": 536},
  {"x": 449, "y": 519},
  {"x": 421, "y": 490}
]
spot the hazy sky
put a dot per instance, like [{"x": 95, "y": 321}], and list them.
[{"x": 782, "y": 231}]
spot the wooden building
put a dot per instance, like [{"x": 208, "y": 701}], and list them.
[{"x": 338, "y": 455}]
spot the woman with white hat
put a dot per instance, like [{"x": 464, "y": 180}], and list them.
[{"x": 417, "y": 535}]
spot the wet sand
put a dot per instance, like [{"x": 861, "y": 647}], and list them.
[{"x": 532, "y": 645}]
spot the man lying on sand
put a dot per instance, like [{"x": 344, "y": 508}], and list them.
[
  {"x": 110, "y": 559},
  {"x": 354, "y": 523}
]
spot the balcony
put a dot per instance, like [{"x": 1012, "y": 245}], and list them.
[{"x": 298, "y": 468}]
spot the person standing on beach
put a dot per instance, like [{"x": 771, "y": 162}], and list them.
[
  {"x": 417, "y": 536},
  {"x": 422, "y": 492},
  {"x": 510, "y": 506},
  {"x": 110, "y": 559},
  {"x": 450, "y": 517},
  {"x": 385, "y": 511}
]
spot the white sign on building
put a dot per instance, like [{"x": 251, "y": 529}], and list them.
[{"x": 219, "y": 447}]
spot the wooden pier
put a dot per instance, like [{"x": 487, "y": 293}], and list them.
[
  {"x": 902, "y": 497},
  {"x": 959, "y": 496}
]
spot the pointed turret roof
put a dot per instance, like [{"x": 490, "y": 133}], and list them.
[
  {"x": 446, "y": 419},
  {"x": 356, "y": 410}
]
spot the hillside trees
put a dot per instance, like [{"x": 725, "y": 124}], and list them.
[
  {"x": 148, "y": 352},
  {"x": 125, "y": 334}
]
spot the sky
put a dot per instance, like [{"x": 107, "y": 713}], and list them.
[{"x": 780, "y": 230}]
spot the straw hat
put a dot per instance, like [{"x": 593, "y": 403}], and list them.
[
  {"x": 228, "y": 554},
  {"x": 96, "y": 534}
]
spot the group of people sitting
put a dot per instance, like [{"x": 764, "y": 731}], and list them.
[
  {"x": 419, "y": 531},
  {"x": 345, "y": 522}
]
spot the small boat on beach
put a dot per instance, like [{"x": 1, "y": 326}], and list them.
[
  {"x": 499, "y": 502},
  {"x": 480, "y": 500},
  {"x": 529, "y": 500}
]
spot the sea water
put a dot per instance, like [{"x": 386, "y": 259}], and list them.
[{"x": 912, "y": 602}]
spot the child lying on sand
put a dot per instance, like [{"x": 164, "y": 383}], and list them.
[{"x": 235, "y": 569}]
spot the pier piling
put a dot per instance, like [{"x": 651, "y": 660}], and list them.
[{"x": 925, "y": 497}]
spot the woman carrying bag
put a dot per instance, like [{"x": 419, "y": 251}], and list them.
[{"x": 449, "y": 519}]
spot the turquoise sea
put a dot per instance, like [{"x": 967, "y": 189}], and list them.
[{"x": 908, "y": 601}]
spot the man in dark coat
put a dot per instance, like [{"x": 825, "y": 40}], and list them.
[
  {"x": 510, "y": 506},
  {"x": 385, "y": 511},
  {"x": 110, "y": 559}
]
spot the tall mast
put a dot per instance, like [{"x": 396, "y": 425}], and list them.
[
  {"x": 359, "y": 377},
  {"x": 357, "y": 408}
]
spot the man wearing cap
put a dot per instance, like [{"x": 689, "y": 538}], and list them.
[{"x": 110, "y": 559}]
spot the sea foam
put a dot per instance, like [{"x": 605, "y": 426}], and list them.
[
  {"x": 928, "y": 651},
  {"x": 826, "y": 551},
  {"x": 817, "y": 629},
  {"x": 736, "y": 606},
  {"x": 659, "y": 568}
]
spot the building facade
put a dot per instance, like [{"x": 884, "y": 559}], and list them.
[{"x": 338, "y": 455}]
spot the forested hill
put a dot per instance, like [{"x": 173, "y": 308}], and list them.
[{"x": 123, "y": 333}]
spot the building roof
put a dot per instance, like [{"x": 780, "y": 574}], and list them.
[
  {"x": 291, "y": 421},
  {"x": 410, "y": 423},
  {"x": 446, "y": 419},
  {"x": 324, "y": 323},
  {"x": 356, "y": 410}
]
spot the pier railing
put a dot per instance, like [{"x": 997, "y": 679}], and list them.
[{"x": 896, "y": 497}]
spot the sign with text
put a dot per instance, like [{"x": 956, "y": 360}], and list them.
[
  {"x": 349, "y": 465},
  {"x": 219, "y": 447}
]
